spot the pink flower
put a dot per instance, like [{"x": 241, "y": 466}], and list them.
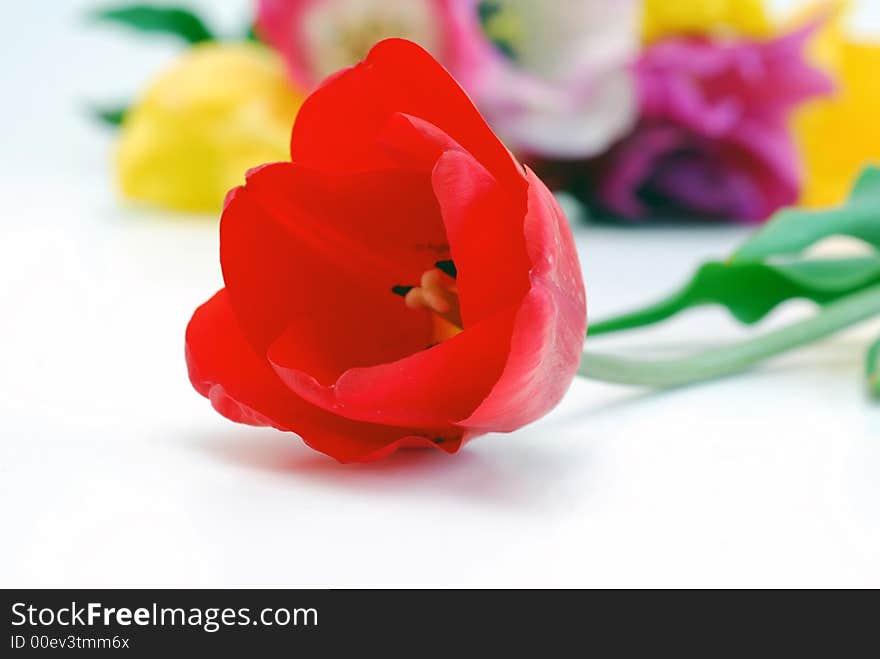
[
  {"x": 319, "y": 37},
  {"x": 714, "y": 138},
  {"x": 553, "y": 79}
]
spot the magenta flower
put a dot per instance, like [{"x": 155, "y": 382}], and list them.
[{"x": 713, "y": 138}]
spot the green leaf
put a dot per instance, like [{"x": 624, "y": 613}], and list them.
[
  {"x": 168, "y": 20},
  {"x": 794, "y": 230},
  {"x": 868, "y": 185},
  {"x": 112, "y": 116},
  {"x": 251, "y": 34},
  {"x": 873, "y": 371},
  {"x": 751, "y": 290}
]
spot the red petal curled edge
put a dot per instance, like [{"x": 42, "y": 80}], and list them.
[
  {"x": 242, "y": 387},
  {"x": 549, "y": 331}
]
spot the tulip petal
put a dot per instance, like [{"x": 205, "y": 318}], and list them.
[
  {"x": 549, "y": 329},
  {"x": 483, "y": 220},
  {"x": 433, "y": 387},
  {"x": 276, "y": 20},
  {"x": 328, "y": 251},
  {"x": 242, "y": 387},
  {"x": 413, "y": 142},
  {"x": 484, "y": 225},
  {"x": 397, "y": 76}
]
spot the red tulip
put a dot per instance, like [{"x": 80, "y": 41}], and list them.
[{"x": 404, "y": 281}]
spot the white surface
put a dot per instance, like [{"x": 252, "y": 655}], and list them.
[{"x": 114, "y": 472}]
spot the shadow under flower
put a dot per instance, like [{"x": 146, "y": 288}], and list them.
[{"x": 517, "y": 474}]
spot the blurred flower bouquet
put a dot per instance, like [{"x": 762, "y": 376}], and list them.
[{"x": 641, "y": 108}]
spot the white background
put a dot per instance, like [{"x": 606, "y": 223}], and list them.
[{"x": 113, "y": 471}]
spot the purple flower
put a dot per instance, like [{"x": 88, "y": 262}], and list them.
[{"x": 713, "y": 138}]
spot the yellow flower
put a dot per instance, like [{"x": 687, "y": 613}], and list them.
[
  {"x": 663, "y": 18},
  {"x": 839, "y": 135},
  {"x": 219, "y": 110}
]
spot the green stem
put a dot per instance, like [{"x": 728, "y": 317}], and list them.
[{"x": 728, "y": 360}]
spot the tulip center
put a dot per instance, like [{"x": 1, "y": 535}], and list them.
[
  {"x": 503, "y": 25},
  {"x": 437, "y": 292}
]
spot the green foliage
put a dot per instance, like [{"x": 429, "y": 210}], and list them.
[
  {"x": 112, "y": 116},
  {"x": 771, "y": 268},
  {"x": 794, "y": 230},
  {"x": 250, "y": 34},
  {"x": 873, "y": 370},
  {"x": 751, "y": 290},
  {"x": 174, "y": 21}
]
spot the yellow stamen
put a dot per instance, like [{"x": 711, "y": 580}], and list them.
[{"x": 438, "y": 292}]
